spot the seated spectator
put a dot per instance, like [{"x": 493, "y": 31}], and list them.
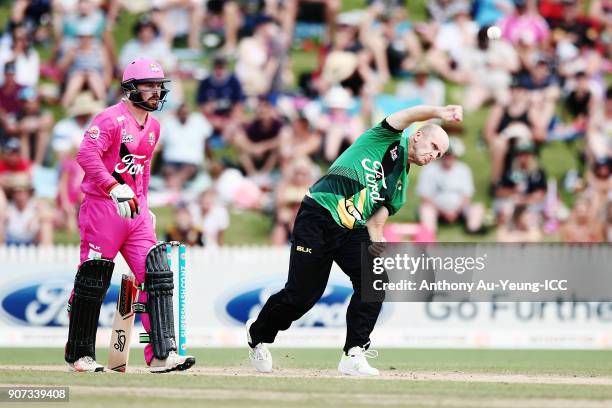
[
  {"x": 599, "y": 135},
  {"x": 68, "y": 132},
  {"x": 453, "y": 39},
  {"x": 427, "y": 88},
  {"x": 543, "y": 87},
  {"x": 179, "y": 18},
  {"x": 261, "y": 59},
  {"x": 147, "y": 44},
  {"x": 35, "y": 15},
  {"x": 258, "y": 141},
  {"x": 290, "y": 192},
  {"x": 183, "y": 144},
  {"x": 25, "y": 57},
  {"x": 297, "y": 140},
  {"x": 12, "y": 163},
  {"x": 87, "y": 15},
  {"x": 69, "y": 196},
  {"x": 524, "y": 183},
  {"x": 183, "y": 228},
  {"x": 339, "y": 127},
  {"x": 347, "y": 62},
  {"x": 446, "y": 189},
  {"x": 578, "y": 105},
  {"x": 402, "y": 46},
  {"x": 488, "y": 12},
  {"x": 10, "y": 104},
  {"x": 522, "y": 227},
  {"x": 211, "y": 217},
  {"x": 487, "y": 70},
  {"x": 583, "y": 225},
  {"x": 27, "y": 221},
  {"x": 525, "y": 24},
  {"x": 501, "y": 127},
  {"x": 86, "y": 65},
  {"x": 220, "y": 98},
  {"x": 599, "y": 181},
  {"x": 33, "y": 126}
]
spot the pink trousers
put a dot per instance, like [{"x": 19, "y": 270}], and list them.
[{"x": 104, "y": 233}]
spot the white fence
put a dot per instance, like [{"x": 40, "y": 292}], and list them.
[{"x": 228, "y": 285}]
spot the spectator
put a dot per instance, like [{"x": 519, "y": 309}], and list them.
[
  {"x": 220, "y": 98},
  {"x": 488, "y": 12},
  {"x": 258, "y": 141},
  {"x": 582, "y": 225},
  {"x": 544, "y": 91},
  {"x": 69, "y": 196},
  {"x": 322, "y": 12},
  {"x": 10, "y": 104},
  {"x": 12, "y": 164},
  {"x": 340, "y": 128},
  {"x": 524, "y": 183},
  {"x": 599, "y": 141},
  {"x": 68, "y": 132},
  {"x": 260, "y": 64},
  {"x": 297, "y": 140},
  {"x": 28, "y": 220},
  {"x": 452, "y": 40},
  {"x": 34, "y": 15},
  {"x": 183, "y": 228},
  {"x": 85, "y": 65},
  {"x": 446, "y": 189},
  {"x": 19, "y": 50},
  {"x": 424, "y": 87},
  {"x": 179, "y": 18},
  {"x": 501, "y": 126},
  {"x": 211, "y": 217},
  {"x": 403, "y": 49},
  {"x": 34, "y": 126},
  {"x": 524, "y": 25},
  {"x": 290, "y": 192},
  {"x": 183, "y": 145},
  {"x": 522, "y": 227},
  {"x": 578, "y": 105},
  {"x": 147, "y": 44},
  {"x": 608, "y": 218},
  {"x": 487, "y": 70}
]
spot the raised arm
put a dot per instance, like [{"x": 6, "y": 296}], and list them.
[{"x": 402, "y": 119}]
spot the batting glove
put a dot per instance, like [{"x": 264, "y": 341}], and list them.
[{"x": 124, "y": 197}]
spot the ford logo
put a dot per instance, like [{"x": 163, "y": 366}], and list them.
[
  {"x": 329, "y": 311},
  {"x": 43, "y": 303}
]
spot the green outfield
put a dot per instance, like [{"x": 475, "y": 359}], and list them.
[{"x": 307, "y": 378}]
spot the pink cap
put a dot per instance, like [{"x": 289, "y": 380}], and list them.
[{"x": 143, "y": 68}]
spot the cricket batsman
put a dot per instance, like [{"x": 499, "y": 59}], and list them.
[
  {"x": 116, "y": 154},
  {"x": 349, "y": 206}
]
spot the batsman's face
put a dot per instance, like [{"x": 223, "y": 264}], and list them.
[{"x": 150, "y": 92}]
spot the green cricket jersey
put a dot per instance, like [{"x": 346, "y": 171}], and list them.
[{"x": 370, "y": 174}]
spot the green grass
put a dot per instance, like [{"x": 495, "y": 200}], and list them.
[{"x": 192, "y": 390}]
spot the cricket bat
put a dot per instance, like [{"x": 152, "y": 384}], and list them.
[{"x": 119, "y": 353}]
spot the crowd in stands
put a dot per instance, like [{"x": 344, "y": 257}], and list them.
[{"x": 244, "y": 129}]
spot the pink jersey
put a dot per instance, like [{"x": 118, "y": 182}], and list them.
[{"x": 116, "y": 148}]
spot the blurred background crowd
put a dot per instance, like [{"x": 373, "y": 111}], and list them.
[{"x": 265, "y": 94}]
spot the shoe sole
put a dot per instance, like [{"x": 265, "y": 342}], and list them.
[
  {"x": 75, "y": 370},
  {"x": 354, "y": 373},
  {"x": 189, "y": 362}
]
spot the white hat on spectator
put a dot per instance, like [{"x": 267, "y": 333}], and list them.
[
  {"x": 338, "y": 98},
  {"x": 84, "y": 104},
  {"x": 339, "y": 65},
  {"x": 516, "y": 130}
]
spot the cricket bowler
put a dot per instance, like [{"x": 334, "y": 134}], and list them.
[
  {"x": 116, "y": 154},
  {"x": 349, "y": 206}
]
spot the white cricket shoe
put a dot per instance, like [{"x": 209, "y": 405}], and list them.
[
  {"x": 85, "y": 365},
  {"x": 260, "y": 356},
  {"x": 355, "y": 362},
  {"x": 173, "y": 362}
]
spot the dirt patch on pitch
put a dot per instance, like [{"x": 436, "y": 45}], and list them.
[{"x": 398, "y": 375}]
